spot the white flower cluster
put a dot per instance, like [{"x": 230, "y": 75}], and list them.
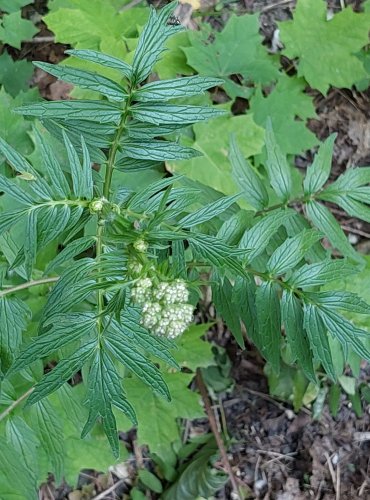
[{"x": 165, "y": 309}]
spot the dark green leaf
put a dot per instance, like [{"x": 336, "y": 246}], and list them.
[
  {"x": 15, "y": 191},
  {"x": 103, "y": 59},
  {"x": 72, "y": 250},
  {"x": 30, "y": 242},
  {"x": 179, "y": 87},
  {"x": 208, "y": 212},
  {"x": 158, "y": 150},
  {"x": 13, "y": 317},
  {"x": 277, "y": 166},
  {"x": 318, "y": 173},
  {"x": 269, "y": 322},
  {"x": 159, "y": 114},
  {"x": 321, "y": 273}
]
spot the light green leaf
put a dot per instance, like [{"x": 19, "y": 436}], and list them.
[
  {"x": 348, "y": 384},
  {"x": 14, "y": 29},
  {"x": 208, "y": 212},
  {"x": 85, "y": 79},
  {"x": 321, "y": 273},
  {"x": 13, "y": 5},
  {"x": 292, "y": 251},
  {"x": 318, "y": 173},
  {"x": 192, "y": 351},
  {"x": 310, "y": 34},
  {"x": 269, "y": 323},
  {"x": 246, "y": 178}
]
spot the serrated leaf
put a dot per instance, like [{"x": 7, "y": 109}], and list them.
[
  {"x": 66, "y": 328},
  {"x": 318, "y": 173},
  {"x": 103, "y": 59},
  {"x": 317, "y": 336},
  {"x": 292, "y": 251},
  {"x": 337, "y": 65},
  {"x": 320, "y": 273},
  {"x": 151, "y": 42},
  {"x": 277, "y": 166},
  {"x": 192, "y": 351},
  {"x": 292, "y": 319},
  {"x": 95, "y": 111},
  {"x": 179, "y": 87},
  {"x": 14, "y": 29},
  {"x": 15, "y": 191},
  {"x": 85, "y": 79},
  {"x": 246, "y": 178},
  {"x": 162, "y": 114},
  {"x": 237, "y": 49},
  {"x": 340, "y": 301},
  {"x": 13, "y": 317},
  {"x": 157, "y": 150},
  {"x": 79, "y": 181},
  {"x": 14, "y": 75},
  {"x": 30, "y": 242},
  {"x": 130, "y": 357},
  {"x": 256, "y": 239},
  {"x": 208, "y": 212},
  {"x": 222, "y": 292},
  {"x": 64, "y": 370},
  {"x": 325, "y": 221},
  {"x": 13, "y": 5},
  {"x": 104, "y": 390},
  {"x": 269, "y": 323},
  {"x": 72, "y": 250}
]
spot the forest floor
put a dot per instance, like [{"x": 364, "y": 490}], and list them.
[{"x": 277, "y": 453}]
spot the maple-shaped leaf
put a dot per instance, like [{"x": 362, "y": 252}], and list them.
[
  {"x": 237, "y": 49},
  {"x": 326, "y": 48},
  {"x": 13, "y": 5},
  {"x": 14, "y": 75},
  {"x": 285, "y": 103},
  {"x": 213, "y": 168},
  {"x": 14, "y": 29}
]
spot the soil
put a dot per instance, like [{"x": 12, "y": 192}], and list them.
[{"x": 278, "y": 454}]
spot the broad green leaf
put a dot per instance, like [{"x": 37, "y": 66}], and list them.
[
  {"x": 292, "y": 319},
  {"x": 310, "y": 34},
  {"x": 192, "y": 351},
  {"x": 14, "y": 75},
  {"x": 96, "y": 111},
  {"x": 283, "y": 105},
  {"x": 318, "y": 173},
  {"x": 348, "y": 384},
  {"x": 320, "y": 273},
  {"x": 324, "y": 220},
  {"x": 48, "y": 427},
  {"x": 85, "y": 79},
  {"x": 277, "y": 166},
  {"x": 269, "y": 323},
  {"x": 130, "y": 357},
  {"x": 66, "y": 328},
  {"x": 256, "y": 239},
  {"x": 292, "y": 251},
  {"x": 150, "y": 481},
  {"x": 318, "y": 338},
  {"x": 162, "y": 114},
  {"x": 103, "y": 59},
  {"x": 246, "y": 178},
  {"x": 179, "y": 87},
  {"x": 237, "y": 49},
  {"x": 157, "y": 150},
  {"x": 64, "y": 370},
  {"x": 157, "y": 418},
  {"x": 13, "y": 5},
  {"x": 213, "y": 169},
  {"x": 14, "y": 29},
  {"x": 208, "y": 212}
]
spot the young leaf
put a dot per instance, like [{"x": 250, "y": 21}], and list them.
[
  {"x": 179, "y": 87},
  {"x": 163, "y": 113},
  {"x": 246, "y": 178},
  {"x": 292, "y": 251},
  {"x": 277, "y": 166},
  {"x": 85, "y": 79},
  {"x": 292, "y": 318},
  {"x": 318, "y": 173},
  {"x": 269, "y": 323},
  {"x": 318, "y": 338}
]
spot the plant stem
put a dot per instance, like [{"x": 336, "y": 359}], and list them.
[
  {"x": 212, "y": 422},
  {"x": 10, "y": 408},
  {"x": 29, "y": 284}
]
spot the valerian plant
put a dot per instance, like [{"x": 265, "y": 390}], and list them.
[{"x": 123, "y": 286}]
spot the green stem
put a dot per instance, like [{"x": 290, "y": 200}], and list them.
[{"x": 28, "y": 284}]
